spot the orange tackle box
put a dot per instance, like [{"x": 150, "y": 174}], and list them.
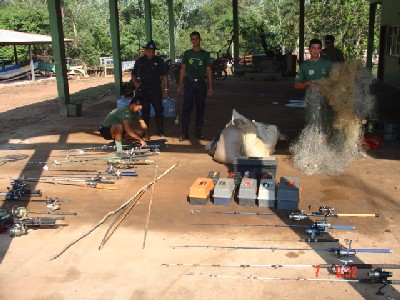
[{"x": 200, "y": 191}]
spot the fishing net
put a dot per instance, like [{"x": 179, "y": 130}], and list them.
[{"x": 336, "y": 107}]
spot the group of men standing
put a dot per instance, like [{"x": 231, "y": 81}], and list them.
[{"x": 150, "y": 79}]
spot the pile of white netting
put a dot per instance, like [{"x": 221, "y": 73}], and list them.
[{"x": 336, "y": 107}]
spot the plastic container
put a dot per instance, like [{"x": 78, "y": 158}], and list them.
[
  {"x": 169, "y": 107},
  {"x": 258, "y": 165},
  {"x": 288, "y": 193},
  {"x": 200, "y": 191},
  {"x": 266, "y": 193},
  {"x": 224, "y": 191},
  {"x": 247, "y": 192},
  {"x": 122, "y": 102}
]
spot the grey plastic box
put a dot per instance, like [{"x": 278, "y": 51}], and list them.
[
  {"x": 260, "y": 166},
  {"x": 224, "y": 191},
  {"x": 247, "y": 192},
  {"x": 288, "y": 193},
  {"x": 266, "y": 193}
]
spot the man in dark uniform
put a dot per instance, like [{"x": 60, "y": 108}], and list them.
[
  {"x": 150, "y": 70},
  {"x": 330, "y": 52}
]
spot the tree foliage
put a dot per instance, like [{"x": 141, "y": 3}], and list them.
[{"x": 265, "y": 25}]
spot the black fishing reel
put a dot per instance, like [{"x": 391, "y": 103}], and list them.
[
  {"x": 317, "y": 228},
  {"x": 379, "y": 276}
]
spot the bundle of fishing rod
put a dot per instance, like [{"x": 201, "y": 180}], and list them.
[{"x": 17, "y": 221}]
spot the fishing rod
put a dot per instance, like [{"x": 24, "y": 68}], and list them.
[
  {"x": 126, "y": 153},
  {"x": 88, "y": 183},
  {"x": 19, "y": 189},
  {"x": 151, "y": 144},
  {"x": 110, "y": 159},
  {"x": 375, "y": 276},
  {"x": 73, "y": 176},
  {"x": 320, "y": 226},
  {"x": 51, "y": 201},
  {"x": 272, "y": 278},
  {"x": 197, "y": 211},
  {"x": 340, "y": 251},
  {"x": 341, "y": 269},
  {"x": 325, "y": 212},
  {"x": 22, "y": 212},
  {"x": 55, "y": 179}
]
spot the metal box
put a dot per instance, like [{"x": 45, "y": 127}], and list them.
[
  {"x": 224, "y": 191},
  {"x": 200, "y": 191},
  {"x": 261, "y": 166},
  {"x": 266, "y": 193},
  {"x": 247, "y": 192},
  {"x": 288, "y": 193}
]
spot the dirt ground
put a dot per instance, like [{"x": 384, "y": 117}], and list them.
[{"x": 66, "y": 262}]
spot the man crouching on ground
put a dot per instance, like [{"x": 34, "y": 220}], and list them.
[{"x": 119, "y": 124}]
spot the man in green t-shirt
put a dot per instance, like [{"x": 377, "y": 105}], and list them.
[
  {"x": 195, "y": 64},
  {"x": 314, "y": 68},
  {"x": 119, "y": 124}
]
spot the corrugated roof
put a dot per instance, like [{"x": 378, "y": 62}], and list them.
[{"x": 11, "y": 37}]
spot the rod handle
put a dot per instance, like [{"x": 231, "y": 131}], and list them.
[
  {"x": 374, "y": 250},
  {"x": 343, "y": 227},
  {"x": 374, "y": 266},
  {"x": 358, "y": 215}
]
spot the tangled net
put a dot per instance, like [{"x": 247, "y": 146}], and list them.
[{"x": 336, "y": 106}]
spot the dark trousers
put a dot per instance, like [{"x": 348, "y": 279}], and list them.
[
  {"x": 194, "y": 95},
  {"x": 153, "y": 96}
]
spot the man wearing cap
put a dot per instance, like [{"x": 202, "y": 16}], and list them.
[
  {"x": 195, "y": 64},
  {"x": 330, "y": 52},
  {"x": 119, "y": 124},
  {"x": 147, "y": 74}
]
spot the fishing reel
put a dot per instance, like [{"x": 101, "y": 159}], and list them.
[
  {"x": 91, "y": 183},
  {"x": 317, "y": 228},
  {"x": 345, "y": 252},
  {"x": 326, "y": 209},
  {"x": 17, "y": 189},
  {"x": 379, "y": 276},
  {"x": 18, "y": 230},
  {"x": 344, "y": 269},
  {"x": 298, "y": 216},
  {"x": 19, "y": 212}
]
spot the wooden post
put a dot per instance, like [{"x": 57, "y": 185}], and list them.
[
  {"x": 235, "y": 28},
  {"x": 171, "y": 30},
  {"x": 147, "y": 20},
  {"x": 31, "y": 63},
  {"x": 57, "y": 35},
  {"x": 114, "y": 29},
  {"x": 370, "y": 43},
  {"x": 301, "y": 32}
]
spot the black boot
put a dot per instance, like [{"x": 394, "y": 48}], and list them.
[
  {"x": 198, "y": 134},
  {"x": 184, "y": 135},
  {"x": 160, "y": 132}
]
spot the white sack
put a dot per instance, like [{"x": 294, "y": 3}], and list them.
[{"x": 229, "y": 145}]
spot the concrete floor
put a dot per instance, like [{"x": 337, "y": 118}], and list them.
[{"x": 130, "y": 265}]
